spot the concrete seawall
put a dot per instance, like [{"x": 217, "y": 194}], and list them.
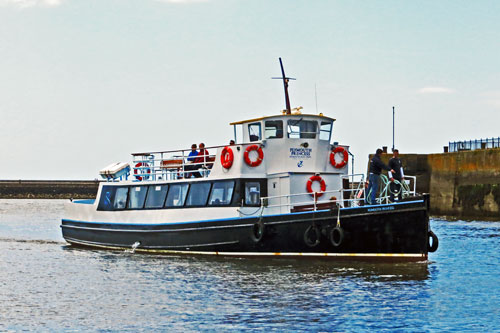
[
  {"x": 463, "y": 184},
  {"x": 48, "y": 189}
]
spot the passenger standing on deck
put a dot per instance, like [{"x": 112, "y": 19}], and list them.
[
  {"x": 396, "y": 165},
  {"x": 201, "y": 159},
  {"x": 376, "y": 166},
  {"x": 191, "y": 158}
]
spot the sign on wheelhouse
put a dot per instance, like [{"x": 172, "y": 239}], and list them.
[{"x": 281, "y": 189}]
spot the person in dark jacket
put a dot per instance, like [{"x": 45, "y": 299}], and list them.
[
  {"x": 376, "y": 166},
  {"x": 396, "y": 165}
]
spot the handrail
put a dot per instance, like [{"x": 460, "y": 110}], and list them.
[
  {"x": 354, "y": 199},
  {"x": 189, "y": 149}
]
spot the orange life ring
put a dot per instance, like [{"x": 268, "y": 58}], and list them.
[
  {"x": 322, "y": 184},
  {"x": 344, "y": 160},
  {"x": 226, "y": 157},
  {"x": 139, "y": 168},
  {"x": 259, "y": 159}
]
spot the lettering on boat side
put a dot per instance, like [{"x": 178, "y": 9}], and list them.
[
  {"x": 300, "y": 152},
  {"x": 378, "y": 209}
]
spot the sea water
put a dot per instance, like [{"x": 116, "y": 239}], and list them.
[{"x": 46, "y": 285}]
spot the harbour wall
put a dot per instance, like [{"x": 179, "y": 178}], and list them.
[
  {"x": 464, "y": 184},
  {"x": 48, "y": 189}
]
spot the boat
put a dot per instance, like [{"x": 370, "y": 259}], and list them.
[{"x": 280, "y": 189}]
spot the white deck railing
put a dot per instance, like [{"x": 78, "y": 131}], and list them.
[
  {"x": 353, "y": 196},
  {"x": 170, "y": 165}
]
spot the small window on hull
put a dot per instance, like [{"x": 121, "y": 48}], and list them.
[
  {"x": 198, "y": 194},
  {"x": 222, "y": 193},
  {"x": 252, "y": 194},
  {"x": 156, "y": 196},
  {"x": 137, "y": 195},
  {"x": 120, "y": 201},
  {"x": 177, "y": 195}
]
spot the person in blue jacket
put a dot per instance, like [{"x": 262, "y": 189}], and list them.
[
  {"x": 376, "y": 166},
  {"x": 191, "y": 159}
]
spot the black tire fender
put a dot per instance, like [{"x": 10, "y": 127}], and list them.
[
  {"x": 312, "y": 242},
  {"x": 336, "y": 236},
  {"x": 435, "y": 242},
  {"x": 258, "y": 229}
]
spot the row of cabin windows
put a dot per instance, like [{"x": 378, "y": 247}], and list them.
[
  {"x": 296, "y": 129},
  {"x": 201, "y": 194}
]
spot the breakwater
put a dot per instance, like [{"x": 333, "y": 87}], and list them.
[
  {"x": 463, "y": 184},
  {"x": 48, "y": 189}
]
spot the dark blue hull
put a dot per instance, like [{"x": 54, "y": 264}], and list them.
[{"x": 386, "y": 231}]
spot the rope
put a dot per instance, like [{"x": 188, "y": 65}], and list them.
[{"x": 251, "y": 214}]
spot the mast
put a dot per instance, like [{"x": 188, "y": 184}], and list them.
[{"x": 285, "y": 84}]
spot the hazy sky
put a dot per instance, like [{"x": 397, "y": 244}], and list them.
[{"x": 85, "y": 83}]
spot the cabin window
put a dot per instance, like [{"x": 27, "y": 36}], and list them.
[
  {"x": 137, "y": 195},
  {"x": 254, "y": 132},
  {"x": 156, "y": 196},
  {"x": 120, "y": 201},
  {"x": 252, "y": 193},
  {"x": 177, "y": 195},
  {"x": 274, "y": 129},
  {"x": 302, "y": 129},
  {"x": 198, "y": 194},
  {"x": 107, "y": 198},
  {"x": 222, "y": 193},
  {"x": 325, "y": 131}
]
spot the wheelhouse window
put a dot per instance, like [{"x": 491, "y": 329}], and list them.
[
  {"x": 156, "y": 196},
  {"x": 273, "y": 129},
  {"x": 254, "y": 132},
  {"x": 252, "y": 194},
  {"x": 302, "y": 129},
  {"x": 137, "y": 195},
  {"x": 325, "y": 130},
  {"x": 198, "y": 194},
  {"x": 177, "y": 195},
  {"x": 222, "y": 193}
]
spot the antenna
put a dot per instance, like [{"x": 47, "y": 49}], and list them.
[
  {"x": 285, "y": 84},
  {"x": 316, "y": 97},
  {"x": 393, "y": 129}
]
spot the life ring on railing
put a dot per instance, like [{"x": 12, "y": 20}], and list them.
[
  {"x": 435, "y": 242},
  {"x": 345, "y": 156},
  {"x": 322, "y": 184},
  {"x": 226, "y": 157},
  {"x": 143, "y": 169},
  {"x": 259, "y": 159}
]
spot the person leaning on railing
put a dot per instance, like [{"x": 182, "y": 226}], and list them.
[
  {"x": 396, "y": 165},
  {"x": 376, "y": 166}
]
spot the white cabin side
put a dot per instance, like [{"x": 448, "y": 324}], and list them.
[{"x": 294, "y": 148}]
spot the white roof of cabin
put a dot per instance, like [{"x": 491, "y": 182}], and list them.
[{"x": 294, "y": 115}]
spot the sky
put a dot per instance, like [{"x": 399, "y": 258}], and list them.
[{"x": 84, "y": 84}]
